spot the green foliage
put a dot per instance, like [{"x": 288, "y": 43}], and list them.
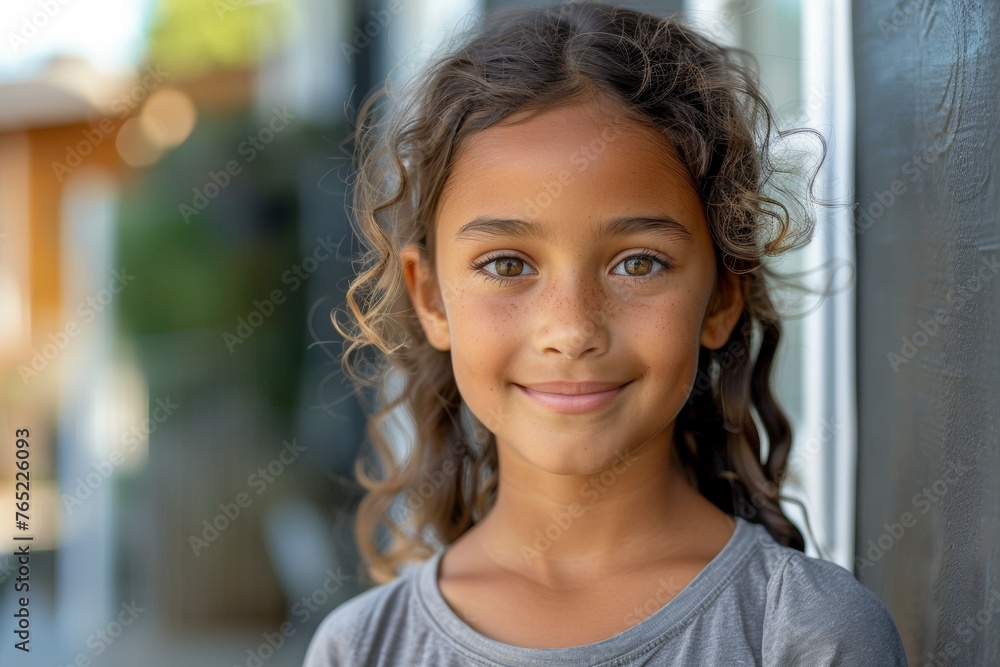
[
  {"x": 189, "y": 37},
  {"x": 206, "y": 274}
]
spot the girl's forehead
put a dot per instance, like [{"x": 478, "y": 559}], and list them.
[
  {"x": 564, "y": 161},
  {"x": 571, "y": 137},
  {"x": 567, "y": 129}
]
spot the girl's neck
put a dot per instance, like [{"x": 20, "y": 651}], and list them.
[{"x": 561, "y": 528}]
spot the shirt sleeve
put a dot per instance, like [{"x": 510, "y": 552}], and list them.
[{"x": 818, "y": 613}]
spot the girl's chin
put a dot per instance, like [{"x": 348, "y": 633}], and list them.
[{"x": 579, "y": 459}]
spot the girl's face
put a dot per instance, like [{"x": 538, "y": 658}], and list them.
[{"x": 572, "y": 248}]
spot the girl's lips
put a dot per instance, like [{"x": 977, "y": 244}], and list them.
[{"x": 569, "y": 404}]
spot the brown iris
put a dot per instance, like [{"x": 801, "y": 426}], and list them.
[
  {"x": 630, "y": 261},
  {"x": 509, "y": 263}
]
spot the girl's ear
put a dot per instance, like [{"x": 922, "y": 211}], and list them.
[
  {"x": 724, "y": 310},
  {"x": 422, "y": 287}
]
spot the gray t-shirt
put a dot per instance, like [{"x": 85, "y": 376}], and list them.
[{"x": 755, "y": 603}]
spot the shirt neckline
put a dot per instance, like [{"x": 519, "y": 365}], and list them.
[{"x": 658, "y": 626}]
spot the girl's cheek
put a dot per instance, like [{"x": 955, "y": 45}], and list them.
[
  {"x": 673, "y": 317},
  {"x": 483, "y": 320}
]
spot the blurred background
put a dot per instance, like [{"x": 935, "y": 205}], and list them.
[{"x": 173, "y": 239}]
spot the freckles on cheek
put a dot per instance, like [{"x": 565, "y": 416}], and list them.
[
  {"x": 479, "y": 324},
  {"x": 485, "y": 339},
  {"x": 669, "y": 338},
  {"x": 672, "y": 320}
]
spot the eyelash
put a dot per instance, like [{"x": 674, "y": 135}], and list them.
[{"x": 644, "y": 253}]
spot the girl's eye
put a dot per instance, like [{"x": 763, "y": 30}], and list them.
[
  {"x": 507, "y": 268},
  {"x": 642, "y": 266},
  {"x": 638, "y": 267}
]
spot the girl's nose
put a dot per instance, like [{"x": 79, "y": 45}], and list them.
[{"x": 572, "y": 321}]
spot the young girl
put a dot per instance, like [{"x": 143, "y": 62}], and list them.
[{"x": 565, "y": 222}]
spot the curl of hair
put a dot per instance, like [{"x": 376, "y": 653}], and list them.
[{"x": 706, "y": 102}]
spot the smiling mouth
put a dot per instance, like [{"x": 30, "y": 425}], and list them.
[{"x": 570, "y": 400}]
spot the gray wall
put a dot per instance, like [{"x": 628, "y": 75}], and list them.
[{"x": 928, "y": 332}]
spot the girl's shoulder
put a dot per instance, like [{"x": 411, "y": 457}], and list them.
[
  {"x": 352, "y": 627},
  {"x": 756, "y": 596},
  {"x": 817, "y": 612}
]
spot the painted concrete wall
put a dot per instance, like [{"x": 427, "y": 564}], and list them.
[{"x": 928, "y": 245}]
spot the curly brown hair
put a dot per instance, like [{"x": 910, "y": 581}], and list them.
[{"x": 707, "y": 102}]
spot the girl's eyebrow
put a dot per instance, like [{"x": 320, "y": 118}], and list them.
[{"x": 486, "y": 227}]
